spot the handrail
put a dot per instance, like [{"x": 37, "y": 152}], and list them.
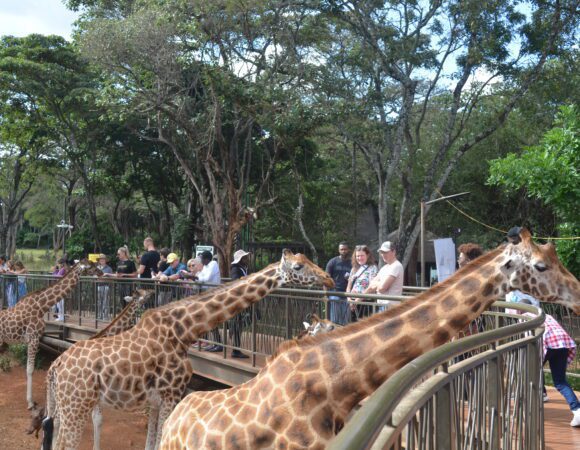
[{"x": 365, "y": 425}]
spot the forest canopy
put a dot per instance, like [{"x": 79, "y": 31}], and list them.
[{"x": 224, "y": 122}]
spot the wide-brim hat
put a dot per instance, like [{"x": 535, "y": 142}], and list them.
[
  {"x": 239, "y": 255},
  {"x": 102, "y": 256}
]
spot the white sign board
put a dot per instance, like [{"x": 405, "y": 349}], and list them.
[
  {"x": 444, "y": 258},
  {"x": 202, "y": 248}
]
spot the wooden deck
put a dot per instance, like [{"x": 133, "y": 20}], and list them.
[{"x": 557, "y": 416}]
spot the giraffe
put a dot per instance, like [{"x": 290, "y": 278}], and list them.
[
  {"x": 126, "y": 318},
  {"x": 24, "y": 323},
  {"x": 148, "y": 365},
  {"x": 122, "y": 322},
  {"x": 317, "y": 326},
  {"x": 301, "y": 399}
]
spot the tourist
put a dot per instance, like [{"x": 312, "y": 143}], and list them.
[
  {"x": 3, "y": 263},
  {"x": 172, "y": 273},
  {"x": 559, "y": 352},
  {"x": 389, "y": 280},
  {"x": 239, "y": 269},
  {"x": 103, "y": 289},
  {"x": 11, "y": 288},
  {"x": 364, "y": 269},
  {"x": 149, "y": 260},
  {"x": 20, "y": 270},
  {"x": 162, "y": 265},
  {"x": 210, "y": 274},
  {"x": 125, "y": 266},
  {"x": 194, "y": 266},
  {"x": 339, "y": 269},
  {"x": 468, "y": 252},
  {"x": 60, "y": 270}
]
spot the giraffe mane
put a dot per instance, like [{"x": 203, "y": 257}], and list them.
[
  {"x": 390, "y": 313},
  {"x": 114, "y": 321},
  {"x": 209, "y": 294},
  {"x": 46, "y": 288}
]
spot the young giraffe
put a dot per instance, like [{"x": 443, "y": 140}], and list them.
[
  {"x": 148, "y": 365},
  {"x": 126, "y": 318},
  {"x": 122, "y": 322},
  {"x": 24, "y": 323},
  {"x": 302, "y": 398},
  {"x": 317, "y": 326}
]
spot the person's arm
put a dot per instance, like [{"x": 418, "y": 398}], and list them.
[
  {"x": 330, "y": 267},
  {"x": 386, "y": 284},
  {"x": 140, "y": 269}
]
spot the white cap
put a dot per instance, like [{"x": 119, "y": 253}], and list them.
[
  {"x": 239, "y": 255},
  {"x": 387, "y": 246}
]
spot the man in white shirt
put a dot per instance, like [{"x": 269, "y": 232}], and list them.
[
  {"x": 210, "y": 272},
  {"x": 389, "y": 280}
]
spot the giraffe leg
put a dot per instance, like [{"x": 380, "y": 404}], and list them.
[
  {"x": 97, "y": 423},
  {"x": 71, "y": 430},
  {"x": 167, "y": 406},
  {"x": 32, "y": 350},
  {"x": 152, "y": 427}
]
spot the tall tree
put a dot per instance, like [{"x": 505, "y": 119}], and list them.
[
  {"x": 215, "y": 80},
  {"x": 425, "y": 82}
]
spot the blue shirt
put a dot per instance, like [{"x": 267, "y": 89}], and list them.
[{"x": 171, "y": 271}]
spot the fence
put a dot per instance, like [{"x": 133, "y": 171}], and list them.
[{"x": 487, "y": 399}]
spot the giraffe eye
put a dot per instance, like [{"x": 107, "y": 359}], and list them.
[
  {"x": 540, "y": 267},
  {"x": 298, "y": 266}
]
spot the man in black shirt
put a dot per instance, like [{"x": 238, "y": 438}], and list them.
[
  {"x": 149, "y": 259},
  {"x": 339, "y": 269}
]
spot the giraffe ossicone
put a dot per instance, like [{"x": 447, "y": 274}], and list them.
[
  {"x": 303, "y": 396},
  {"x": 148, "y": 364}
]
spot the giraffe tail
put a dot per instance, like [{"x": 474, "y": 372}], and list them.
[
  {"x": 48, "y": 422},
  {"x": 47, "y": 428}
]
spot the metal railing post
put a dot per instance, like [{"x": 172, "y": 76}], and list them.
[
  {"x": 494, "y": 395},
  {"x": 443, "y": 422}
]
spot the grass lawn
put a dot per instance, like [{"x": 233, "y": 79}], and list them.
[{"x": 36, "y": 259}]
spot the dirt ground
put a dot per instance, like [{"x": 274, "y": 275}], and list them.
[{"x": 120, "y": 431}]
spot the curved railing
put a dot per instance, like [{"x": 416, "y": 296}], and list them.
[{"x": 482, "y": 391}]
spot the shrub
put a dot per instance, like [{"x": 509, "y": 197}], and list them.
[
  {"x": 5, "y": 363},
  {"x": 19, "y": 352}
]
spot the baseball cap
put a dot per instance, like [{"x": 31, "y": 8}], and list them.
[
  {"x": 386, "y": 246},
  {"x": 172, "y": 257}
]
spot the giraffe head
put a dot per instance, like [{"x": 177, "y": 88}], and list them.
[
  {"x": 86, "y": 268},
  {"x": 317, "y": 326},
  {"x": 299, "y": 270},
  {"x": 37, "y": 415},
  {"x": 536, "y": 270},
  {"x": 141, "y": 296}
]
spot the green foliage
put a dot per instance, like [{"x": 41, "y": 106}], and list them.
[
  {"x": 19, "y": 352},
  {"x": 550, "y": 173},
  {"x": 5, "y": 363}
]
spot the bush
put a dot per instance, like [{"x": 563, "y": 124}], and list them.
[
  {"x": 19, "y": 352},
  {"x": 5, "y": 363}
]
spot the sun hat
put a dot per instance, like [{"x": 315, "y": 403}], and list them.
[
  {"x": 172, "y": 257},
  {"x": 387, "y": 246},
  {"x": 102, "y": 256},
  {"x": 239, "y": 255}
]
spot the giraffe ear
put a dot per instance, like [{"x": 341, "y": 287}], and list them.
[
  {"x": 128, "y": 298},
  {"x": 287, "y": 253},
  {"x": 306, "y": 325}
]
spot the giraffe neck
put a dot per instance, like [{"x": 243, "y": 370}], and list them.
[
  {"x": 190, "y": 318},
  {"x": 360, "y": 357},
  {"x": 48, "y": 297},
  {"x": 122, "y": 322}
]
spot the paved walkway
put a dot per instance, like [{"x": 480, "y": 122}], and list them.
[{"x": 557, "y": 416}]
